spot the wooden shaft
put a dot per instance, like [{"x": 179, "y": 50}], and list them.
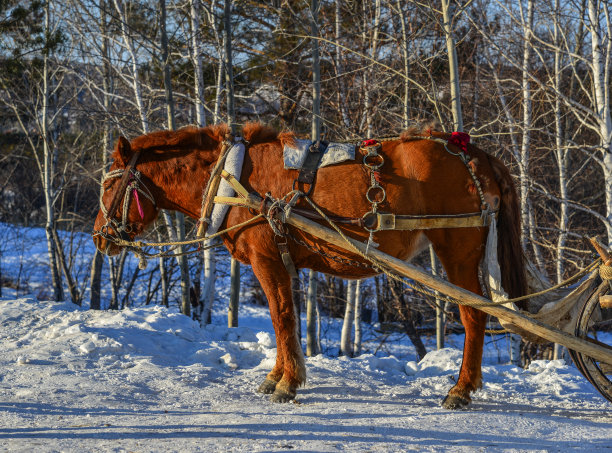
[
  {"x": 596, "y": 351},
  {"x": 603, "y": 354},
  {"x": 602, "y": 250}
]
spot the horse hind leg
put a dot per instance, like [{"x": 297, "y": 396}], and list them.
[
  {"x": 461, "y": 265},
  {"x": 289, "y": 371}
]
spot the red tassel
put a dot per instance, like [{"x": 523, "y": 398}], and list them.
[
  {"x": 460, "y": 140},
  {"x": 370, "y": 142}
]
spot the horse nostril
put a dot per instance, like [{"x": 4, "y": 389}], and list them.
[{"x": 99, "y": 243}]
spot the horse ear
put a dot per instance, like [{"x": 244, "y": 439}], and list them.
[{"x": 124, "y": 150}]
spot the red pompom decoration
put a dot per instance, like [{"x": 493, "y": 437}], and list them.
[{"x": 460, "y": 140}]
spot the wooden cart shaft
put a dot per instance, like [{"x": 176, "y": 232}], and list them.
[{"x": 596, "y": 351}]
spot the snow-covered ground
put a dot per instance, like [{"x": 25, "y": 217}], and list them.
[{"x": 150, "y": 379}]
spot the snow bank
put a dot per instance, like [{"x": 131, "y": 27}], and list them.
[{"x": 149, "y": 379}]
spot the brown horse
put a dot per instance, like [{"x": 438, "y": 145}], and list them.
[{"x": 420, "y": 176}]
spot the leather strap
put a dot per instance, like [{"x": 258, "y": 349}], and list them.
[
  {"x": 308, "y": 172},
  {"x": 212, "y": 187},
  {"x": 429, "y": 222},
  {"x": 378, "y": 221},
  {"x": 123, "y": 183},
  {"x": 283, "y": 248}
]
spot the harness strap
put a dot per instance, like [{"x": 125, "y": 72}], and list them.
[
  {"x": 308, "y": 172},
  {"x": 123, "y": 183},
  {"x": 429, "y": 222},
  {"x": 383, "y": 221}
]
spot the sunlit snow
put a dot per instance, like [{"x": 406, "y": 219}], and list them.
[{"x": 150, "y": 379}]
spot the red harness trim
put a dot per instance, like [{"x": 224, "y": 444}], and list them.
[
  {"x": 460, "y": 140},
  {"x": 370, "y": 142}
]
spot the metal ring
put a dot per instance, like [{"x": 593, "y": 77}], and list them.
[
  {"x": 365, "y": 219},
  {"x": 371, "y": 198},
  {"x": 373, "y": 166}
]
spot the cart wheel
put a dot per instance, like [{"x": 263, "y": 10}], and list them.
[{"x": 591, "y": 322}]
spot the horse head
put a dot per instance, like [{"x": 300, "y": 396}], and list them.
[{"x": 127, "y": 205}]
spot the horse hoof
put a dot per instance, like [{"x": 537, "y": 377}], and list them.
[
  {"x": 281, "y": 396},
  {"x": 268, "y": 386},
  {"x": 455, "y": 402}
]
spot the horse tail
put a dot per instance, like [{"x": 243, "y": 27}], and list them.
[{"x": 509, "y": 249}]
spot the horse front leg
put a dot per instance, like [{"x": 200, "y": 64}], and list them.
[{"x": 289, "y": 372}]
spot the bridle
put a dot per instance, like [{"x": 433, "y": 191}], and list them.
[{"x": 130, "y": 185}]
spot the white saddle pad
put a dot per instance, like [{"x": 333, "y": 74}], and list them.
[{"x": 294, "y": 156}]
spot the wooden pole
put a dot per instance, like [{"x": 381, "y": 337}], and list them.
[{"x": 598, "y": 352}]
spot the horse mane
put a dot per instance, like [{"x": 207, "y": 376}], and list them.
[
  {"x": 254, "y": 133},
  {"x": 191, "y": 137},
  {"x": 418, "y": 131},
  {"x": 186, "y": 137}
]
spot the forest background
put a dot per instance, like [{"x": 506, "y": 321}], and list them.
[{"x": 529, "y": 81}]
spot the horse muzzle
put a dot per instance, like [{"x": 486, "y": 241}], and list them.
[{"x": 105, "y": 245}]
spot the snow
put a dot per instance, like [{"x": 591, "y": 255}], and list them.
[{"x": 150, "y": 379}]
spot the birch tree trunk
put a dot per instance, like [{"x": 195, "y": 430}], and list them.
[
  {"x": 180, "y": 219},
  {"x": 129, "y": 46},
  {"x": 315, "y": 135},
  {"x": 196, "y": 58},
  {"x": 440, "y": 318},
  {"x": 49, "y": 159},
  {"x": 368, "y": 75},
  {"x": 525, "y": 143},
  {"x": 358, "y": 302},
  {"x": 208, "y": 290},
  {"x": 406, "y": 60},
  {"x": 232, "y": 314},
  {"x": 453, "y": 66},
  {"x": 210, "y": 268},
  {"x": 347, "y": 326},
  {"x": 601, "y": 82},
  {"x": 560, "y": 150},
  {"x": 342, "y": 97},
  {"x": 312, "y": 345},
  {"x": 98, "y": 260}
]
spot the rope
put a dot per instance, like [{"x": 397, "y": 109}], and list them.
[
  {"x": 141, "y": 244},
  {"x": 605, "y": 272}
]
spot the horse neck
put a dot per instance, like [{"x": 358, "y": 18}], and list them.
[{"x": 179, "y": 180}]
